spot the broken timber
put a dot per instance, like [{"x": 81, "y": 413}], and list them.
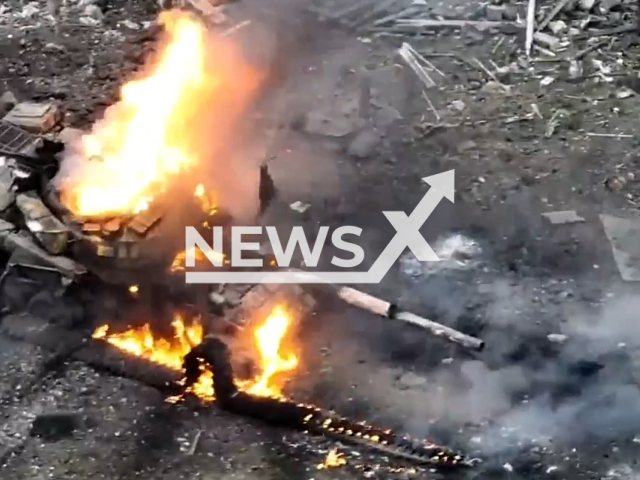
[{"x": 425, "y": 23}]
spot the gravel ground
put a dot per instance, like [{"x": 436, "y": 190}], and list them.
[{"x": 532, "y": 406}]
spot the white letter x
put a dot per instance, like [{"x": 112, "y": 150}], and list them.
[{"x": 408, "y": 229}]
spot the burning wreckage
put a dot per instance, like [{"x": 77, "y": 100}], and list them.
[{"x": 110, "y": 224}]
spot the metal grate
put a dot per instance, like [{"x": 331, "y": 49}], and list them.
[{"x": 14, "y": 139}]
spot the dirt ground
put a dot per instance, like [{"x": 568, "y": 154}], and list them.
[{"x": 531, "y": 405}]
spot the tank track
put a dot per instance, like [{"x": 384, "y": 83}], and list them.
[
  {"x": 307, "y": 418},
  {"x": 99, "y": 355}
]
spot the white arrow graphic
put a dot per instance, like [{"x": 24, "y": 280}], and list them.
[{"x": 408, "y": 227}]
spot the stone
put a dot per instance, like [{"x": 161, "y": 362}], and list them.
[
  {"x": 130, "y": 25},
  {"x": 557, "y": 27},
  {"x": 563, "y": 217},
  {"x": 364, "y": 144},
  {"x": 457, "y": 105},
  {"x": 34, "y": 117}
]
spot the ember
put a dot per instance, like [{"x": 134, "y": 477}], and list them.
[{"x": 332, "y": 460}]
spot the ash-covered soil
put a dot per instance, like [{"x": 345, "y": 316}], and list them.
[{"x": 554, "y": 395}]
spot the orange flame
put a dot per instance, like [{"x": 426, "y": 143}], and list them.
[
  {"x": 207, "y": 200},
  {"x": 268, "y": 339},
  {"x": 141, "y": 342},
  {"x": 163, "y": 124}
]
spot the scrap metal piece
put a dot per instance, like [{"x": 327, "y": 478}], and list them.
[
  {"x": 112, "y": 226},
  {"x": 52, "y": 234},
  {"x": 146, "y": 219},
  {"x": 13, "y": 241}
]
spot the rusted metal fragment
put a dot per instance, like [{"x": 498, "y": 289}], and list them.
[
  {"x": 34, "y": 117},
  {"x": 52, "y": 234}
]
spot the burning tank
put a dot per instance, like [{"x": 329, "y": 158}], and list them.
[
  {"x": 114, "y": 202},
  {"x": 112, "y": 205}
]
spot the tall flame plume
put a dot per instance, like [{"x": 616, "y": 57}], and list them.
[{"x": 165, "y": 124}]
